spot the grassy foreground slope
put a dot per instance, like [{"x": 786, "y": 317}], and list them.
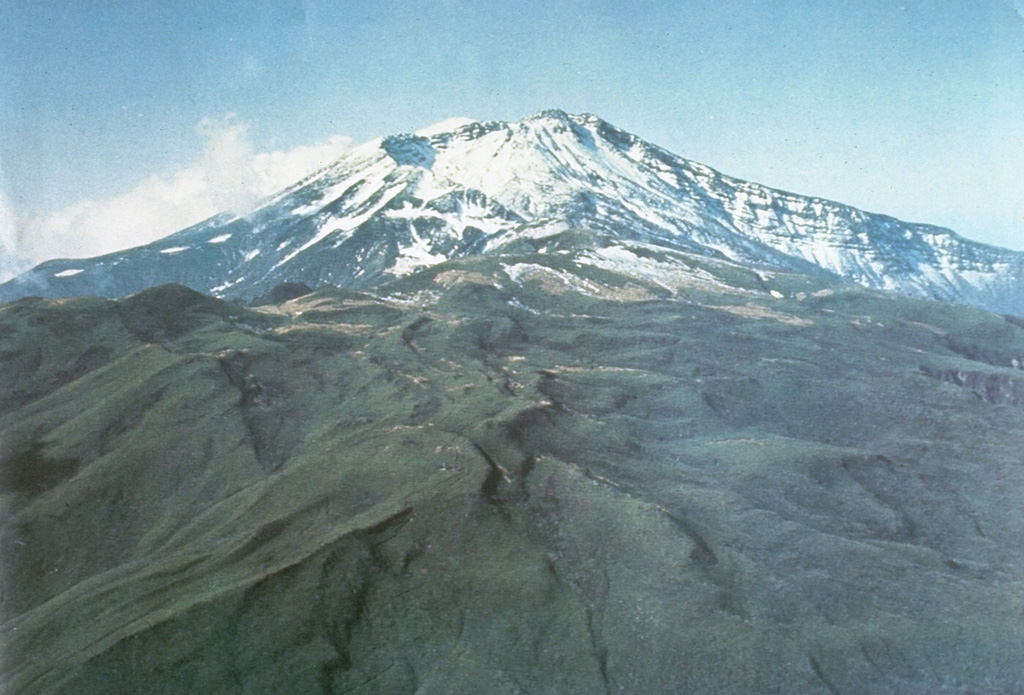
[{"x": 517, "y": 477}]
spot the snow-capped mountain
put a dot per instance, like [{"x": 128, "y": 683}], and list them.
[{"x": 401, "y": 203}]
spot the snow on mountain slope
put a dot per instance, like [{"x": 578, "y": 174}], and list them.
[{"x": 404, "y": 202}]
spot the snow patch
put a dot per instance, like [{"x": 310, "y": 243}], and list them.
[
  {"x": 227, "y": 285},
  {"x": 417, "y": 255},
  {"x": 431, "y": 187},
  {"x": 175, "y": 249},
  {"x": 369, "y": 181},
  {"x": 219, "y": 239},
  {"x": 563, "y": 279},
  {"x": 408, "y": 211},
  {"x": 469, "y": 213},
  {"x": 68, "y": 273},
  {"x": 345, "y": 224},
  {"x": 671, "y": 274}
]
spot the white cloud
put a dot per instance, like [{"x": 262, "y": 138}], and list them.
[
  {"x": 229, "y": 176},
  {"x": 11, "y": 260},
  {"x": 275, "y": 170}
]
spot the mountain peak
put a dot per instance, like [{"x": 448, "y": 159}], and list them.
[
  {"x": 561, "y": 116},
  {"x": 461, "y": 187},
  {"x": 549, "y": 114},
  {"x": 446, "y": 126}
]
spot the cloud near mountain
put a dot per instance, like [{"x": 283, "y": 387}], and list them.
[
  {"x": 10, "y": 263},
  {"x": 229, "y": 175}
]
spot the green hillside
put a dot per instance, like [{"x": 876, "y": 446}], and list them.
[{"x": 513, "y": 475}]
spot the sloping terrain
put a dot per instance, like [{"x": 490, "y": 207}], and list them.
[
  {"x": 518, "y": 474},
  {"x": 405, "y": 202}
]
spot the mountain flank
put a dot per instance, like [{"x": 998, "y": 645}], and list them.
[{"x": 406, "y": 202}]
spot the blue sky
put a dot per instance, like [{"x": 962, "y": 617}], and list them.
[{"x": 913, "y": 108}]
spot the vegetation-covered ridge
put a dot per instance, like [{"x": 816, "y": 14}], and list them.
[{"x": 513, "y": 475}]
